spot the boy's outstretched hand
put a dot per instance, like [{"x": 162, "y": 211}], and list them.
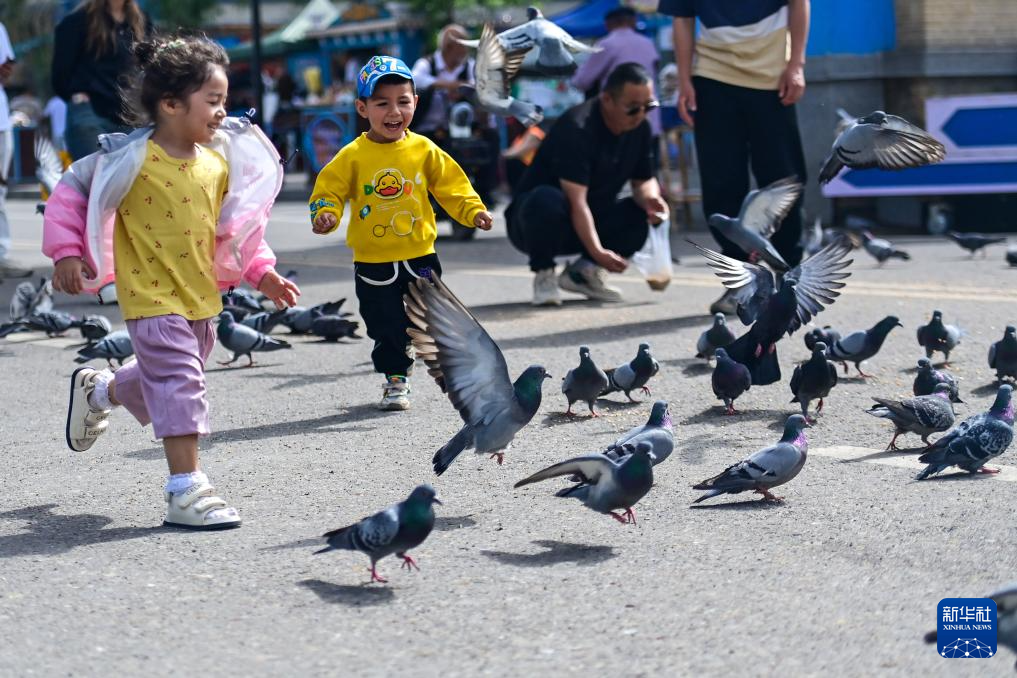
[
  {"x": 67, "y": 274},
  {"x": 483, "y": 221},
  {"x": 324, "y": 222},
  {"x": 281, "y": 291}
]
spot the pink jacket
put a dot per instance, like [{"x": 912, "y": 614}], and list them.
[{"x": 81, "y": 213}]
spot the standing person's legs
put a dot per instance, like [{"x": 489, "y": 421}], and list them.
[
  {"x": 775, "y": 146},
  {"x": 84, "y": 127},
  {"x": 7, "y": 268}
]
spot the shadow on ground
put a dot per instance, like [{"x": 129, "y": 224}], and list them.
[
  {"x": 573, "y": 338},
  {"x": 362, "y": 595},
  {"x": 52, "y": 533},
  {"x": 715, "y": 415},
  {"x": 555, "y": 553}
]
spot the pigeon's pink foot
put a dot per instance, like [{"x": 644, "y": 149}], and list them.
[
  {"x": 893, "y": 443},
  {"x": 500, "y": 456},
  {"x": 988, "y": 470},
  {"x": 375, "y": 577},
  {"x": 862, "y": 374},
  {"x": 594, "y": 413},
  {"x": 773, "y": 347},
  {"x": 759, "y": 350},
  {"x": 631, "y": 515},
  {"x": 820, "y": 408},
  {"x": 569, "y": 412},
  {"x": 767, "y": 496},
  {"x": 620, "y": 518},
  {"x": 408, "y": 562},
  {"x": 753, "y": 257},
  {"x": 646, "y": 390},
  {"x": 730, "y": 410}
]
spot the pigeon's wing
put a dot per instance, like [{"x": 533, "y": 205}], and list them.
[
  {"x": 521, "y": 37},
  {"x": 895, "y": 122},
  {"x": 495, "y": 66},
  {"x": 796, "y": 380},
  {"x": 460, "y": 355},
  {"x": 992, "y": 349},
  {"x": 763, "y": 210},
  {"x": 573, "y": 45},
  {"x": 589, "y": 467},
  {"x": 21, "y": 301},
  {"x": 819, "y": 281},
  {"x": 370, "y": 534},
  {"x": 767, "y": 465},
  {"x": 850, "y": 345},
  {"x": 43, "y": 300},
  {"x": 893, "y": 149},
  {"x": 753, "y": 285},
  {"x": 48, "y": 167},
  {"x": 567, "y": 382}
]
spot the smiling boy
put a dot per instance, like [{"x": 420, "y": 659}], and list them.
[{"x": 386, "y": 174}]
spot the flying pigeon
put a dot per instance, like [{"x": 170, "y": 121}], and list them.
[
  {"x": 243, "y": 340},
  {"x": 605, "y": 485},
  {"x": 495, "y": 68},
  {"x": 397, "y": 529},
  {"x": 262, "y": 321},
  {"x": 975, "y": 441},
  {"x": 973, "y": 242},
  {"x": 657, "y": 431},
  {"x": 765, "y": 469},
  {"x": 1003, "y": 355},
  {"x": 1011, "y": 255},
  {"x": 29, "y": 299},
  {"x": 881, "y": 249},
  {"x": 776, "y": 310},
  {"x": 813, "y": 379},
  {"x": 1006, "y": 618},
  {"x": 48, "y": 166},
  {"x": 95, "y": 327},
  {"x": 585, "y": 382},
  {"x": 633, "y": 375},
  {"x": 730, "y": 379},
  {"x": 827, "y": 335},
  {"x": 718, "y": 336},
  {"x": 880, "y": 140},
  {"x": 469, "y": 367},
  {"x": 939, "y": 337},
  {"x": 923, "y": 415},
  {"x": 114, "y": 346},
  {"x": 929, "y": 377},
  {"x": 859, "y": 346},
  {"x": 761, "y": 214},
  {"x": 334, "y": 328}
]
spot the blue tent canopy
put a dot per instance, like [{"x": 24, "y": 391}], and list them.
[{"x": 586, "y": 20}]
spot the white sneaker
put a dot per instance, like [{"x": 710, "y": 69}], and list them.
[
  {"x": 586, "y": 278},
  {"x": 395, "y": 394},
  {"x": 84, "y": 423},
  {"x": 198, "y": 508},
  {"x": 545, "y": 289}
]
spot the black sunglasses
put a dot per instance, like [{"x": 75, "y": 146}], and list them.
[{"x": 645, "y": 108}]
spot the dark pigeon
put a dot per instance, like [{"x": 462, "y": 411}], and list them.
[
  {"x": 263, "y": 321},
  {"x": 658, "y": 431},
  {"x": 584, "y": 382},
  {"x": 882, "y": 250},
  {"x": 730, "y": 380},
  {"x": 973, "y": 242},
  {"x": 859, "y": 346},
  {"x": 880, "y": 140},
  {"x": 1003, "y": 355},
  {"x": 929, "y": 377},
  {"x": 826, "y": 334},
  {"x": 242, "y": 298},
  {"x": 975, "y": 441},
  {"x": 95, "y": 327},
  {"x": 937, "y": 336},
  {"x": 397, "y": 529},
  {"x": 923, "y": 415},
  {"x": 761, "y": 214},
  {"x": 334, "y": 328},
  {"x": 718, "y": 336},
  {"x": 114, "y": 346},
  {"x": 53, "y": 323},
  {"x": 299, "y": 319},
  {"x": 813, "y": 380},
  {"x": 28, "y": 299},
  {"x": 242, "y": 340},
  {"x": 633, "y": 375},
  {"x": 239, "y": 314}
]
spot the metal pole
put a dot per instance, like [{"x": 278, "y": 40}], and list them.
[{"x": 259, "y": 94}]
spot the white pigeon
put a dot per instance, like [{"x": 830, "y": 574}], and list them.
[{"x": 495, "y": 68}]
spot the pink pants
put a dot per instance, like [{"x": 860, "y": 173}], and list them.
[{"x": 166, "y": 384}]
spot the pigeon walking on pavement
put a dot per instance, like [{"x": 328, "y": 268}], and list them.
[
  {"x": 28, "y": 299},
  {"x": 243, "y": 340},
  {"x": 881, "y": 249},
  {"x": 469, "y": 367},
  {"x": 730, "y": 380},
  {"x": 495, "y": 68},
  {"x": 718, "y": 336},
  {"x": 859, "y": 346},
  {"x": 584, "y": 383},
  {"x": 813, "y": 379},
  {"x": 114, "y": 346},
  {"x": 826, "y": 334},
  {"x": 880, "y": 140},
  {"x": 929, "y": 377},
  {"x": 1003, "y": 355},
  {"x": 923, "y": 415},
  {"x": 243, "y": 298},
  {"x": 633, "y": 375},
  {"x": 975, "y": 441},
  {"x": 658, "y": 431},
  {"x": 937, "y": 336},
  {"x": 605, "y": 485},
  {"x": 334, "y": 328},
  {"x": 973, "y": 242},
  {"x": 94, "y": 327},
  {"x": 761, "y": 214},
  {"x": 766, "y": 469},
  {"x": 263, "y": 321},
  {"x": 53, "y": 323},
  {"x": 397, "y": 529},
  {"x": 298, "y": 319}
]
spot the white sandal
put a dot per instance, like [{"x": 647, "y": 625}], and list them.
[
  {"x": 84, "y": 423},
  {"x": 198, "y": 508}
]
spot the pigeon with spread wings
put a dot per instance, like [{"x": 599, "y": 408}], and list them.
[
  {"x": 881, "y": 140},
  {"x": 496, "y": 66},
  {"x": 761, "y": 214}
]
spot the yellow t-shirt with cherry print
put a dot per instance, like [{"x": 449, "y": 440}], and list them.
[{"x": 164, "y": 239}]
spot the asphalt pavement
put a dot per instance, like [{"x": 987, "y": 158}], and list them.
[{"x": 841, "y": 579}]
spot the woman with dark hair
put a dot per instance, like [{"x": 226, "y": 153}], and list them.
[{"x": 91, "y": 61}]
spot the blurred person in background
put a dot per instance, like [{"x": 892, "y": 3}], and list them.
[{"x": 8, "y": 269}]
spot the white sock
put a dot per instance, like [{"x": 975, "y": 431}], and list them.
[
  {"x": 99, "y": 398},
  {"x": 179, "y": 482}
]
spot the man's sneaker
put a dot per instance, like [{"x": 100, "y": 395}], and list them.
[
  {"x": 84, "y": 423},
  {"x": 545, "y": 289},
  {"x": 9, "y": 269},
  {"x": 726, "y": 304},
  {"x": 586, "y": 278},
  {"x": 395, "y": 395}
]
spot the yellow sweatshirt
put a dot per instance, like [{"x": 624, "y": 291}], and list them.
[{"x": 387, "y": 185}]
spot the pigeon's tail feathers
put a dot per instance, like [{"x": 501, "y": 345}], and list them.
[
  {"x": 324, "y": 550},
  {"x": 444, "y": 457},
  {"x": 712, "y": 493},
  {"x": 930, "y": 470},
  {"x": 882, "y": 411},
  {"x": 931, "y": 637},
  {"x": 830, "y": 168},
  {"x": 900, "y": 254},
  {"x": 611, "y": 386},
  {"x": 81, "y": 359},
  {"x": 340, "y": 538},
  {"x": 273, "y": 344}
]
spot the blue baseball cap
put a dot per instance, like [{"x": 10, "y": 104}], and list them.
[{"x": 378, "y": 67}]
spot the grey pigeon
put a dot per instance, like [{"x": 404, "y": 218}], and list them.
[
  {"x": 975, "y": 441},
  {"x": 765, "y": 469},
  {"x": 48, "y": 166},
  {"x": 470, "y": 368},
  {"x": 263, "y": 321},
  {"x": 937, "y": 336},
  {"x": 299, "y": 319},
  {"x": 761, "y": 214},
  {"x": 605, "y": 485},
  {"x": 1006, "y": 618},
  {"x": 243, "y": 340},
  {"x": 114, "y": 346},
  {"x": 243, "y": 298},
  {"x": 633, "y": 375},
  {"x": 584, "y": 382},
  {"x": 657, "y": 431},
  {"x": 859, "y": 346},
  {"x": 880, "y": 140},
  {"x": 826, "y": 334},
  {"x": 730, "y": 379},
  {"x": 94, "y": 327},
  {"x": 53, "y": 323},
  {"x": 1003, "y": 355},
  {"x": 929, "y": 377},
  {"x": 1011, "y": 255},
  {"x": 495, "y": 68},
  {"x": 813, "y": 380},
  {"x": 239, "y": 313},
  {"x": 882, "y": 249},
  {"x": 29, "y": 299},
  {"x": 923, "y": 415},
  {"x": 718, "y": 336},
  {"x": 334, "y": 328},
  {"x": 973, "y": 242},
  {"x": 397, "y": 529}
]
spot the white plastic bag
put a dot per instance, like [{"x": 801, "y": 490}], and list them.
[{"x": 654, "y": 259}]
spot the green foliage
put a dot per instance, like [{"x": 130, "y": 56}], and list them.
[
  {"x": 170, "y": 15},
  {"x": 30, "y": 26}
]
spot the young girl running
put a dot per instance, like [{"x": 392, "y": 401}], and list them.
[{"x": 174, "y": 212}]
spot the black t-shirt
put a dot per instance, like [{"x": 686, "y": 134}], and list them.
[{"x": 580, "y": 148}]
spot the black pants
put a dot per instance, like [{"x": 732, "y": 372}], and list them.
[
  {"x": 540, "y": 225},
  {"x": 381, "y": 307},
  {"x": 737, "y": 127}
]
